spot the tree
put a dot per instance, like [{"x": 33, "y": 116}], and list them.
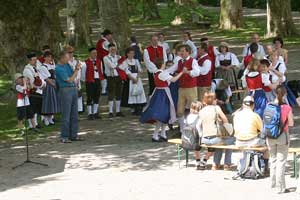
[
  {"x": 279, "y": 18},
  {"x": 150, "y": 9},
  {"x": 31, "y": 25},
  {"x": 231, "y": 14},
  {"x": 113, "y": 15},
  {"x": 78, "y": 29}
]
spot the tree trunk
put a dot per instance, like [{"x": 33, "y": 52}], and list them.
[
  {"x": 150, "y": 9},
  {"x": 78, "y": 28},
  {"x": 30, "y": 26},
  {"x": 114, "y": 16},
  {"x": 231, "y": 14},
  {"x": 279, "y": 18}
]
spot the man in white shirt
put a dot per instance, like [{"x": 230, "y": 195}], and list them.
[
  {"x": 114, "y": 82},
  {"x": 187, "y": 39},
  {"x": 163, "y": 43},
  {"x": 205, "y": 66},
  {"x": 151, "y": 53},
  {"x": 254, "y": 39}
]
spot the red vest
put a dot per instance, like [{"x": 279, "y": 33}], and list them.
[
  {"x": 204, "y": 80},
  {"x": 247, "y": 60},
  {"x": 41, "y": 59},
  {"x": 122, "y": 73},
  {"x": 267, "y": 88},
  {"x": 89, "y": 75},
  {"x": 155, "y": 53},
  {"x": 158, "y": 82},
  {"x": 101, "y": 52},
  {"x": 186, "y": 81},
  {"x": 255, "y": 82}
]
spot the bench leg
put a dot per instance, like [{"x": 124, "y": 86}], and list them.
[
  {"x": 178, "y": 154},
  {"x": 186, "y": 158}
]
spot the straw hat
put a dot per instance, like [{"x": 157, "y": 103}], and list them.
[{"x": 17, "y": 76}]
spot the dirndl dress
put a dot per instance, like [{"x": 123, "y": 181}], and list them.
[
  {"x": 291, "y": 99},
  {"x": 159, "y": 108},
  {"x": 174, "y": 92},
  {"x": 260, "y": 101},
  {"x": 50, "y": 101}
]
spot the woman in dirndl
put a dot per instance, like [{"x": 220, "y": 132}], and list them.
[
  {"x": 50, "y": 103},
  {"x": 255, "y": 82},
  {"x": 277, "y": 72},
  {"x": 226, "y": 65},
  {"x": 133, "y": 94},
  {"x": 160, "y": 108}
]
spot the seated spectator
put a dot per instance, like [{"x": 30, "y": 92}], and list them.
[
  {"x": 223, "y": 94},
  {"x": 207, "y": 124}
]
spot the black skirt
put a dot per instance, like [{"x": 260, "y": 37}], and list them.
[{"x": 125, "y": 94}]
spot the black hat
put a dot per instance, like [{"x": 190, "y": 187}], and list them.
[
  {"x": 31, "y": 55},
  {"x": 91, "y": 49},
  {"x": 203, "y": 39},
  {"x": 106, "y": 32}
]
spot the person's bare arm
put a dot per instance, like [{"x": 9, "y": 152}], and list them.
[
  {"x": 74, "y": 75},
  {"x": 291, "y": 119},
  {"x": 175, "y": 78},
  {"x": 222, "y": 115}
]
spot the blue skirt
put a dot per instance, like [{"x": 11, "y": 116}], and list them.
[
  {"x": 290, "y": 96},
  {"x": 158, "y": 108},
  {"x": 260, "y": 102},
  {"x": 50, "y": 100},
  {"x": 174, "y": 92}
]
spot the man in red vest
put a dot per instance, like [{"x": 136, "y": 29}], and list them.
[
  {"x": 151, "y": 53},
  {"x": 102, "y": 51},
  {"x": 93, "y": 76},
  {"x": 212, "y": 53},
  {"x": 205, "y": 77},
  {"x": 187, "y": 92}
]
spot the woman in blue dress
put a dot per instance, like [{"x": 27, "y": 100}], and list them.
[{"x": 161, "y": 108}]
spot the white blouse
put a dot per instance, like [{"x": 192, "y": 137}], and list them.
[{"x": 228, "y": 55}]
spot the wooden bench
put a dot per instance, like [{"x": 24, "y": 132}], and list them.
[
  {"x": 238, "y": 91},
  {"x": 178, "y": 143}
]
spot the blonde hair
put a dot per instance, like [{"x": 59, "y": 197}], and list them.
[
  {"x": 253, "y": 65},
  {"x": 196, "y": 106},
  {"x": 209, "y": 98},
  {"x": 68, "y": 48}
]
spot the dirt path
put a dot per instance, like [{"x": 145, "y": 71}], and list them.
[{"x": 118, "y": 161}]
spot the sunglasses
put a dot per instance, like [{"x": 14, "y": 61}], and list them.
[{"x": 71, "y": 52}]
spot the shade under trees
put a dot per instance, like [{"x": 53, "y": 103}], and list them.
[
  {"x": 231, "y": 14},
  {"x": 279, "y": 18},
  {"x": 113, "y": 15},
  {"x": 27, "y": 26},
  {"x": 78, "y": 28},
  {"x": 150, "y": 9}
]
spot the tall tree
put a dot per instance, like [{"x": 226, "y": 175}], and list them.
[
  {"x": 78, "y": 28},
  {"x": 114, "y": 16},
  {"x": 279, "y": 18},
  {"x": 31, "y": 25},
  {"x": 150, "y": 9},
  {"x": 231, "y": 14}
]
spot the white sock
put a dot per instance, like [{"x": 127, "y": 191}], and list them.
[
  {"x": 89, "y": 108},
  {"x": 163, "y": 130},
  {"x": 50, "y": 119},
  {"x": 35, "y": 119},
  {"x": 29, "y": 123},
  {"x": 156, "y": 130},
  {"x": 103, "y": 86},
  {"x": 118, "y": 106},
  {"x": 181, "y": 123},
  {"x": 46, "y": 121},
  {"x": 111, "y": 106},
  {"x": 95, "y": 108}
]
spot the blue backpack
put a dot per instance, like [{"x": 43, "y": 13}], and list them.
[{"x": 273, "y": 127}]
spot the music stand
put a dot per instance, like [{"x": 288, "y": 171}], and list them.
[{"x": 27, "y": 161}]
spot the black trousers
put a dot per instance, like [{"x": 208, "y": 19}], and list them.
[
  {"x": 114, "y": 88},
  {"x": 151, "y": 83},
  {"x": 36, "y": 103},
  {"x": 93, "y": 91}
]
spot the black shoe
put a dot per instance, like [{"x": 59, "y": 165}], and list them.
[
  {"x": 171, "y": 127},
  {"x": 119, "y": 114},
  {"x": 110, "y": 115},
  {"x": 38, "y": 126},
  {"x": 163, "y": 139},
  {"x": 90, "y": 117},
  {"x": 65, "y": 140},
  {"x": 96, "y": 116},
  {"x": 154, "y": 140},
  {"x": 78, "y": 139}
]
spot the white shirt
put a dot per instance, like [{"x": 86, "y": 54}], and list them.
[
  {"x": 194, "y": 51},
  {"x": 165, "y": 76},
  {"x": 25, "y": 101},
  {"x": 215, "y": 83},
  {"x": 206, "y": 67},
  {"x": 44, "y": 72},
  {"x": 193, "y": 73},
  {"x": 125, "y": 65},
  {"x": 246, "y": 50},
  {"x": 105, "y": 43},
  {"x": 282, "y": 69},
  {"x": 150, "y": 65},
  {"x": 165, "y": 46},
  {"x": 265, "y": 77},
  {"x": 227, "y": 56},
  {"x": 110, "y": 64},
  {"x": 30, "y": 73}
]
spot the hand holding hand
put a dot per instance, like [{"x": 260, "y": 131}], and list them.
[
  {"x": 78, "y": 66},
  {"x": 185, "y": 70}
]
